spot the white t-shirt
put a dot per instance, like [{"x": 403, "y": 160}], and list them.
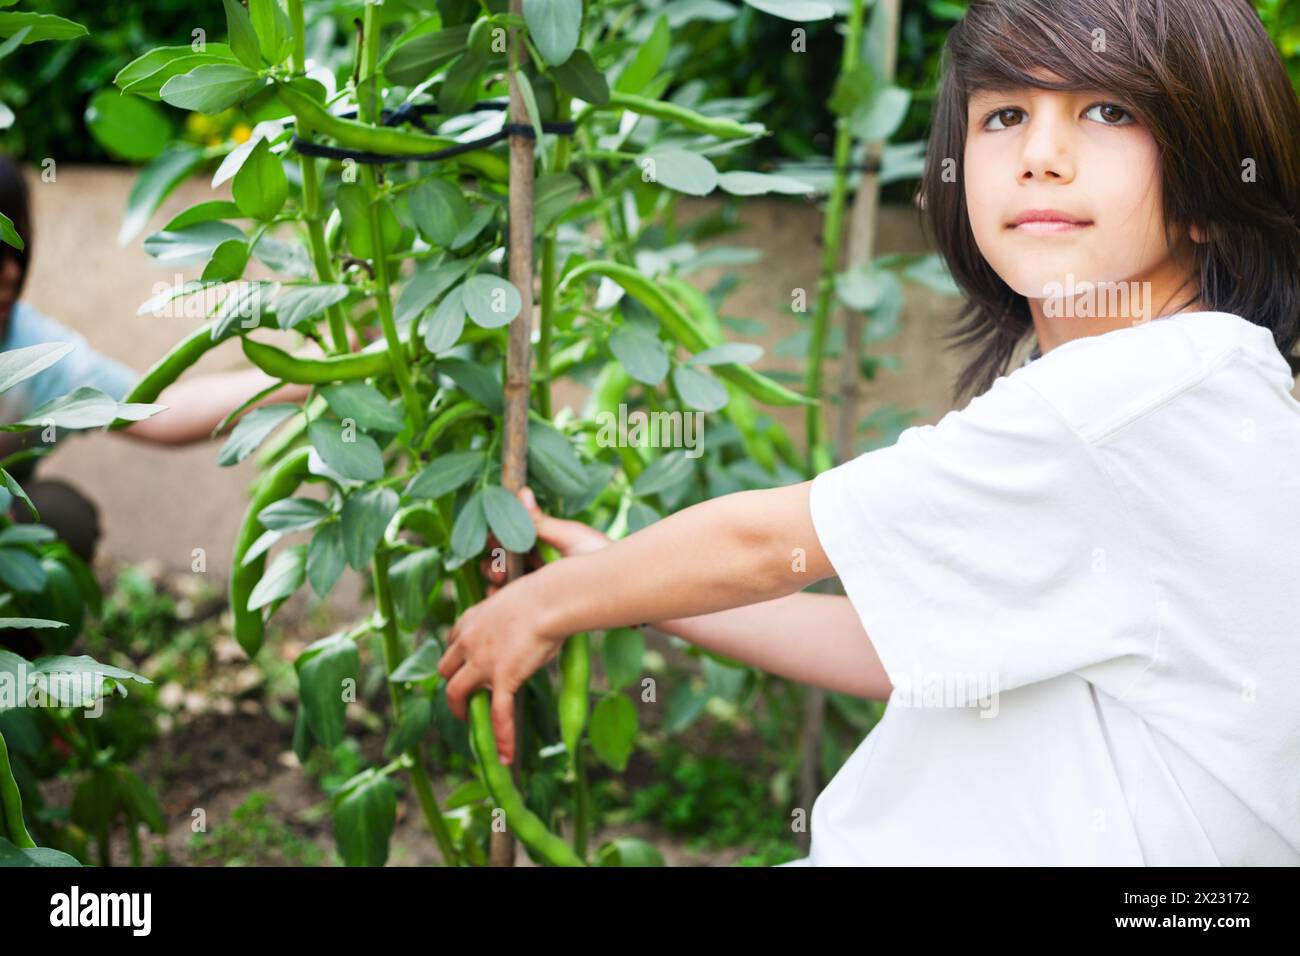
[{"x": 1082, "y": 586}]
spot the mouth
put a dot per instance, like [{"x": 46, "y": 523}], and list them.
[{"x": 1047, "y": 222}]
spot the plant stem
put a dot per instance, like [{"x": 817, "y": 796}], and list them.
[
  {"x": 392, "y": 657},
  {"x": 311, "y": 192},
  {"x": 366, "y": 110},
  {"x": 562, "y": 112},
  {"x": 819, "y": 458}
]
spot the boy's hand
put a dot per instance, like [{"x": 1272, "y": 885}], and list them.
[
  {"x": 498, "y": 642},
  {"x": 565, "y": 536}
]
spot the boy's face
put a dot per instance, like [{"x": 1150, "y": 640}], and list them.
[{"x": 1064, "y": 188}]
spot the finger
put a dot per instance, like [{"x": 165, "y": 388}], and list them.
[
  {"x": 466, "y": 681},
  {"x": 451, "y": 661},
  {"x": 503, "y": 722}
]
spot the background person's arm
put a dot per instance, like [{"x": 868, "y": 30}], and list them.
[{"x": 197, "y": 405}]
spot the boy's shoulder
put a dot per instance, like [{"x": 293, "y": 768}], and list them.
[{"x": 1100, "y": 383}]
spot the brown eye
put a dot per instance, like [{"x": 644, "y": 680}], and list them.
[
  {"x": 1109, "y": 114},
  {"x": 999, "y": 115}
]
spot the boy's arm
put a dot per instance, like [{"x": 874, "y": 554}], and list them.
[
  {"x": 738, "y": 549},
  {"x": 813, "y": 639}
]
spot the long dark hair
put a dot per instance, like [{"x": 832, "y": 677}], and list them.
[
  {"x": 16, "y": 204},
  {"x": 1204, "y": 79}
]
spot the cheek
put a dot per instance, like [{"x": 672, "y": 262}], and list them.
[{"x": 979, "y": 172}]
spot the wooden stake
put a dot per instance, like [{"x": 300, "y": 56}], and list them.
[{"x": 518, "y": 380}]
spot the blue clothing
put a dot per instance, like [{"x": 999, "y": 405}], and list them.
[{"x": 82, "y": 366}]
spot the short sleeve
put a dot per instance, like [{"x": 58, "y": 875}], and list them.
[{"x": 990, "y": 549}]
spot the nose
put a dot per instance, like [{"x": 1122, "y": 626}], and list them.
[{"x": 1047, "y": 148}]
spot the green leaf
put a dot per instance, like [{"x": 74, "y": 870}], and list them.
[
  {"x": 553, "y": 462},
  {"x": 145, "y": 75},
  {"x": 40, "y": 26},
  {"x": 298, "y": 303},
  {"x": 264, "y": 543},
  {"x": 260, "y": 187},
  {"x": 741, "y": 183},
  {"x": 364, "y": 812},
  {"x": 555, "y": 26},
  {"x": 252, "y": 431},
  {"x": 442, "y": 329},
  {"x": 16, "y": 490},
  {"x": 8, "y": 234},
  {"x": 11, "y": 855},
  {"x": 469, "y": 532},
  {"x": 412, "y": 62},
  {"x": 365, "y": 516},
  {"x": 227, "y": 262},
  {"x": 413, "y": 578},
  {"x": 460, "y": 87},
  {"x": 880, "y": 115},
  {"x": 613, "y": 731},
  {"x": 293, "y": 514},
  {"x": 640, "y": 352},
  {"x": 128, "y": 126},
  {"x": 273, "y": 29},
  {"x": 210, "y": 88},
  {"x": 325, "y": 557},
  {"x": 475, "y": 380},
  {"x": 649, "y": 57},
  {"x": 530, "y": 106},
  {"x": 446, "y": 473},
  {"x": 18, "y": 365},
  {"x": 355, "y": 457},
  {"x": 685, "y": 704},
  {"x": 677, "y": 169},
  {"x": 553, "y": 195},
  {"x": 192, "y": 244},
  {"x": 580, "y": 77},
  {"x": 154, "y": 184},
  {"x": 798, "y": 10},
  {"x": 439, "y": 210},
  {"x": 508, "y": 519},
  {"x": 285, "y": 575},
  {"x": 243, "y": 39},
  {"x": 698, "y": 389},
  {"x": 210, "y": 211},
  {"x": 416, "y": 719},
  {"x": 490, "y": 300},
  {"x": 322, "y": 670},
  {"x": 426, "y": 286},
  {"x": 20, "y": 570},
  {"x": 477, "y": 222},
  {"x": 15, "y": 41},
  {"x": 354, "y": 206},
  {"x": 86, "y": 407},
  {"x": 623, "y": 651},
  {"x": 365, "y": 405},
  {"x": 74, "y": 681},
  {"x": 664, "y": 472}
]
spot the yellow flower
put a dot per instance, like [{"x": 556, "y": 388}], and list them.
[{"x": 241, "y": 132}]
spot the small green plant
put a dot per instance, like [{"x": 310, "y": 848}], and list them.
[{"x": 253, "y": 836}]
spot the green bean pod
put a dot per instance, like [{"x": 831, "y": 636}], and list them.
[
  {"x": 608, "y": 391},
  {"x": 12, "y": 826},
  {"x": 672, "y": 113},
  {"x": 363, "y": 137},
  {"x": 280, "y": 483},
  {"x": 496, "y": 776},
  {"x": 304, "y": 371},
  {"x": 169, "y": 368},
  {"x": 686, "y": 331},
  {"x": 575, "y": 677}
]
